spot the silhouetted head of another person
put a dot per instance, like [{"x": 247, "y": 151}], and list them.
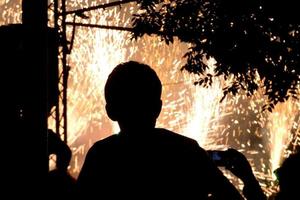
[
  {"x": 133, "y": 96},
  {"x": 289, "y": 178}
]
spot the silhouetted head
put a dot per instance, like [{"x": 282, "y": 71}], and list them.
[
  {"x": 132, "y": 94},
  {"x": 289, "y": 178}
]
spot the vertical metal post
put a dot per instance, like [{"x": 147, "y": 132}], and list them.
[
  {"x": 65, "y": 67},
  {"x": 57, "y": 108}
]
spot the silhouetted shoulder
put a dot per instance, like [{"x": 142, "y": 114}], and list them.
[
  {"x": 113, "y": 139},
  {"x": 167, "y": 134},
  {"x": 171, "y": 138},
  {"x": 159, "y": 135},
  {"x": 159, "y": 140},
  {"x": 104, "y": 146}
]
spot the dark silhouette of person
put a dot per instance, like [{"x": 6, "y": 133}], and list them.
[
  {"x": 288, "y": 175},
  {"x": 144, "y": 162},
  {"x": 59, "y": 182},
  {"x": 237, "y": 163},
  {"x": 60, "y": 149}
]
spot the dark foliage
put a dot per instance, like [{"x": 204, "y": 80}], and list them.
[{"x": 247, "y": 38}]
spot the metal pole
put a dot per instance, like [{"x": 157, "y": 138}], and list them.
[
  {"x": 65, "y": 68},
  {"x": 102, "y": 6},
  {"x": 118, "y": 28},
  {"x": 57, "y": 108}
]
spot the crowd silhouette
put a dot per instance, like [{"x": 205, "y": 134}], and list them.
[{"x": 142, "y": 161}]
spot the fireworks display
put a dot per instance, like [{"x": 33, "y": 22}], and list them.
[{"x": 193, "y": 111}]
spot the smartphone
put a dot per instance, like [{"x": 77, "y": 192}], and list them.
[{"x": 219, "y": 157}]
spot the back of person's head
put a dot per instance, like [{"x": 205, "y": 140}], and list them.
[
  {"x": 289, "y": 178},
  {"x": 132, "y": 93}
]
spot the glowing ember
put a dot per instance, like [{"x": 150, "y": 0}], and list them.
[{"x": 281, "y": 127}]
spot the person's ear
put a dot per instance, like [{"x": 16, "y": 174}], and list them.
[{"x": 112, "y": 114}]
